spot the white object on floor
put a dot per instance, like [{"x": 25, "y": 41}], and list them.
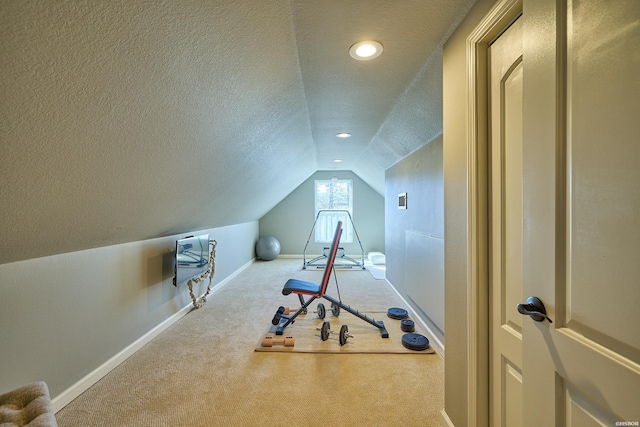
[{"x": 377, "y": 258}]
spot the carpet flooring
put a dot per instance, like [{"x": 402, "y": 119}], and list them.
[{"x": 204, "y": 370}]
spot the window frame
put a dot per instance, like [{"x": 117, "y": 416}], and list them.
[{"x": 324, "y": 229}]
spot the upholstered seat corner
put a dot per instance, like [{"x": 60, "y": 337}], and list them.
[{"x": 29, "y": 405}]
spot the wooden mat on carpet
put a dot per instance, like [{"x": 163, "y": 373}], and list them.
[{"x": 366, "y": 337}]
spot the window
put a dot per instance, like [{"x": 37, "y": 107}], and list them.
[{"x": 333, "y": 195}]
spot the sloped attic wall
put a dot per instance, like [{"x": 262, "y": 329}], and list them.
[
  {"x": 123, "y": 121},
  {"x": 412, "y": 123}
]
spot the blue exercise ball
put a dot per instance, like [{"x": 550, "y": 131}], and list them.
[{"x": 268, "y": 248}]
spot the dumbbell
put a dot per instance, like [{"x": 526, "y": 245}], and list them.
[
  {"x": 270, "y": 341},
  {"x": 325, "y": 331},
  {"x": 322, "y": 312}
]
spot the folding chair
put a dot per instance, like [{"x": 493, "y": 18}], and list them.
[{"x": 317, "y": 290}]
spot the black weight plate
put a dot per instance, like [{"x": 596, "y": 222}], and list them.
[
  {"x": 344, "y": 334},
  {"x": 397, "y": 313},
  {"x": 415, "y": 342},
  {"x": 322, "y": 312},
  {"x": 335, "y": 309},
  {"x": 407, "y": 325},
  {"x": 324, "y": 332}
]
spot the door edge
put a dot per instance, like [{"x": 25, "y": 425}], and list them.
[{"x": 495, "y": 22}]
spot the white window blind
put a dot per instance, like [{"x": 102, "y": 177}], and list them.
[{"x": 334, "y": 202}]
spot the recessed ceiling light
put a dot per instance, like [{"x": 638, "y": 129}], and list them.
[
  {"x": 343, "y": 135},
  {"x": 337, "y": 161},
  {"x": 365, "y": 50}
]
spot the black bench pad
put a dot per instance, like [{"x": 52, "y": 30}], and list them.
[{"x": 300, "y": 286}]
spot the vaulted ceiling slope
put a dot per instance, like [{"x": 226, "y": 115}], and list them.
[{"x": 127, "y": 120}]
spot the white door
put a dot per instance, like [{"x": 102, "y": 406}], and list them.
[
  {"x": 581, "y": 212},
  {"x": 505, "y": 269}
]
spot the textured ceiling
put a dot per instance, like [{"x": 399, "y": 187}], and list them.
[{"x": 127, "y": 120}]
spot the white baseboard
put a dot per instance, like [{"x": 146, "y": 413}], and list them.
[
  {"x": 64, "y": 398},
  {"x": 437, "y": 345},
  {"x": 67, "y": 396},
  {"x": 445, "y": 421}
]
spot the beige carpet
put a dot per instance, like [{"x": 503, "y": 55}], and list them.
[{"x": 203, "y": 370}]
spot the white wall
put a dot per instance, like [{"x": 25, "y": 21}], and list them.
[
  {"x": 63, "y": 316},
  {"x": 415, "y": 236}
]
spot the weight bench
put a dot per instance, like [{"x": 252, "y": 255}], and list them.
[{"x": 317, "y": 290}]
